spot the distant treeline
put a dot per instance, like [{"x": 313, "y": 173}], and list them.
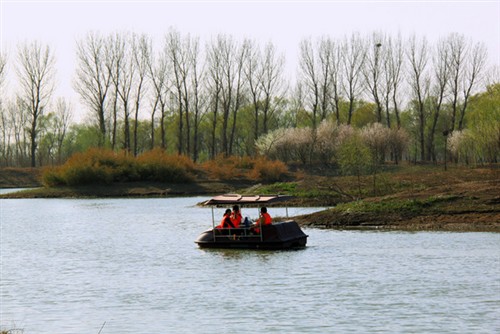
[{"x": 233, "y": 98}]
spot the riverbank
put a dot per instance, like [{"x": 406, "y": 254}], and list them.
[
  {"x": 409, "y": 198},
  {"x": 412, "y": 198},
  {"x": 20, "y": 177}
]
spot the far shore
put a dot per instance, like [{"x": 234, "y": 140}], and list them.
[{"x": 463, "y": 200}]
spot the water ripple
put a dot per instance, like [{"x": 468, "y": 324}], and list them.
[{"x": 68, "y": 266}]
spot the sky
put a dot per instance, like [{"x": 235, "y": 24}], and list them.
[{"x": 60, "y": 23}]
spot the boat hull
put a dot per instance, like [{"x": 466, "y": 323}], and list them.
[{"x": 285, "y": 235}]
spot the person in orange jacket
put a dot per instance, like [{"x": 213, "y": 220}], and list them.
[
  {"x": 226, "y": 220},
  {"x": 264, "y": 219},
  {"x": 236, "y": 216}
]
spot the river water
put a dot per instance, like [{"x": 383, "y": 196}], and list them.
[{"x": 131, "y": 266}]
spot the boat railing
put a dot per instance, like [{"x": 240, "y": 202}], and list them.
[{"x": 237, "y": 233}]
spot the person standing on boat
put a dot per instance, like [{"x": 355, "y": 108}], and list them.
[
  {"x": 264, "y": 219},
  {"x": 236, "y": 216},
  {"x": 226, "y": 220}
]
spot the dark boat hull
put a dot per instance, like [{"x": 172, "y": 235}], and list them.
[{"x": 285, "y": 235}]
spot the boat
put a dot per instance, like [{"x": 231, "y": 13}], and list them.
[{"x": 279, "y": 235}]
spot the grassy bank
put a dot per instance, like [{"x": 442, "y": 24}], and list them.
[
  {"x": 400, "y": 197},
  {"x": 421, "y": 198}
]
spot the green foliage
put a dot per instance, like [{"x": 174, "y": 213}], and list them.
[
  {"x": 409, "y": 206},
  {"x": 364, "y": 115},
  {"x": 289, "y": 188},
  {"x": 354, "y": 157},
  {"x": 480, "y": 142},
  {"x": 82, "y": 137},
  {"x": 483, "y": 122}
]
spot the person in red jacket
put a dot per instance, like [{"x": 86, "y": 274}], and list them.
[
  {"x": 236, "y": 216},
  {"x": 264, "y": 219}
]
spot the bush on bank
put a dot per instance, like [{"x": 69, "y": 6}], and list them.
[
  {"x": 256, "y": 169},
  {"x": 103, "y": 166},
  {"x": 156, "y": 165}
]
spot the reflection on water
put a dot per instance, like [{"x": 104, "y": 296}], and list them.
[{"x": 68, "y": 266}]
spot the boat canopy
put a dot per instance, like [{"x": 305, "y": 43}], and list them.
[{"x": 231, "y": 199}]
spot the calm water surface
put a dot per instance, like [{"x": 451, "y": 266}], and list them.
[{"x": 72, "y": 266}]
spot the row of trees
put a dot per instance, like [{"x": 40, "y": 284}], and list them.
[{"x": 220, "y": 98}]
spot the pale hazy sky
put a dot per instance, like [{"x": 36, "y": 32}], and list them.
[{"x": 285, "y": 23}]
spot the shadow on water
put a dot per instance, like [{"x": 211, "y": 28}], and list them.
[{"x": 248, "y": 253}]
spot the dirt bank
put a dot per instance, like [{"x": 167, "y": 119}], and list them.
[
  {"x": 409, "y": 198},
  {"x": 440, "y": 202}
]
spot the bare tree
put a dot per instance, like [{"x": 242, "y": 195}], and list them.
[
  {"x": 457, "y": 46},
  {"x": 3, "y": 71},
  {"x": 4, "y": 120},
  {"x": 419, "y": 82},
  {"x": 36, "y": 70},
  {"x": 63, "y": 118},
  {"x": 238, "y": 95},
  {"x": 325, "y": 55},
  {"x": 141, "y": 50},
  {"x": 177, "y": 60},
  {"x": 54, "y": 127},
  {"x": 466, "y": 65},
  {"x": 158, "y": 75},
  {"x": 115, "y": 58},
  {"x": 5, "y": 137},
  {"x": 373, "y": 72},
  {"x": 441, "y": 68},
  {"x": 393, "y": 59},
  {"x": 19, "y": 116},
  {"x": 196, "y": 80},
  {"x": 253, "y": 74},
  {"x": 492, "y": 75},
  {"x": 121, "y": 65},
  {"x": 336, "y": 78},
  {"x": 309, "y": 77},
  {"x": 226, "y": 60},
  {"x": 180, "y": 52},
  {"x": 476, "y": 60},
  {"x": 353, "y": 61},
  {"x": 271, "y": 80},
  {"x": 214, "y": 84},
  {"x": 93, "y": 78},
  {"x": 296, "y": 106}
]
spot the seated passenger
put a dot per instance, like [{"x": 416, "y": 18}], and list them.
[
  {"x": 264, "y": 219},
  {"x": 226, "y": 220},
  {"x": 236, "y": 216}
]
